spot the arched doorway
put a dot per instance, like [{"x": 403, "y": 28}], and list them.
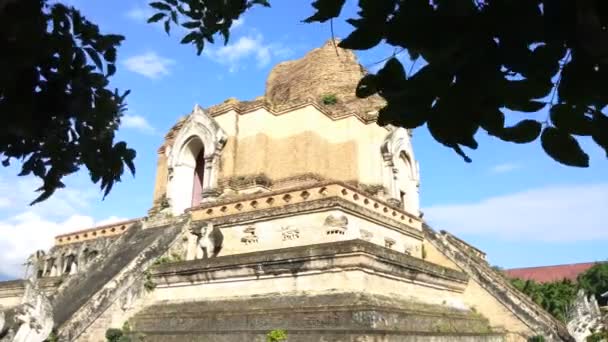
[
  {"x": 407, "y": 184},
  {"x": 188, "y": 179}
]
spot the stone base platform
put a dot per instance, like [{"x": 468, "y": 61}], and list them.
[
  {"x": 328, "y": 317},
  {"x": 341, "y": 291}
]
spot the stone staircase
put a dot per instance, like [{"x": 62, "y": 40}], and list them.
[
  {"x": 86, "y": 296},
  {"x": 477, "y": 268}
]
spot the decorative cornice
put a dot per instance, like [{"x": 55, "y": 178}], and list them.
[
  {"x": 281, "y": 202},
  {"x": 334, "y": 112},
  {"x": 306, "y": 198}
]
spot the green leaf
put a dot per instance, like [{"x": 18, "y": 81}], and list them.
[
  {"x": 95, "y": 57},
  {"x": 174, "y": 16},
  {"x": 111, "y": 70},
  {"x": 366, "y": 86},
  {"x": 571, "y": 119},
  {"x": 167, "y": 27},
  {"x": 156, "y": 17},
  {"x": 492, "y": 120},
  {"x": 392, "y": 76},
  {"x": 171, "y": 2},
  {"x": 526, "y": 106},
  {"x": 326, "y": 9},
  {"x": 160, "y": 6},
  {"x": 523, "y": 132},
  {"x": 192, "y": 24},
  {"x": 362, "y": 38},
  {"x": 264, "y": 3},
  {"x": 600, "y": 130},
  {"x": 399, "y": 114},
  {"x": 563, "y": 148},
  {"x": 190, "y": 37}
]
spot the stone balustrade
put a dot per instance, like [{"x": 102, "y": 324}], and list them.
[{"x": 94, "y": 233}]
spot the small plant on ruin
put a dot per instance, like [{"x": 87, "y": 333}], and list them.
[
  {"x": 598, "y": 336},
  {"x": 113, "y": 335},
  {"x": 174, "y": 257},
  {"x": 149, "y": 284},
  {"x": 537, "y": 338},
  {"x": 276, "y": 335},
  {"x": 329, "y": 99},
  {"x": 52, "y": 337}
]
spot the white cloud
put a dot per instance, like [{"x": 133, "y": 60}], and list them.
[
  {"x": 149, "y": 65},
  {"x": 140, "y": 13},
  {"x": 506, "y": 167},
  {"x": 137, "y": 122},
  {"x": 31, "y": 228},
  {"x": 247, "y": 47},
  {"x": 557, "y": 213},
  {"x": 237, "y": 23}
]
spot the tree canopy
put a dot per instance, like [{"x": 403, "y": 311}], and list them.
[
  {"x": 481, "y": 57},
  {"x": 557, "y": 297},
  {"x": 58, "y": 113},
  {"x": 480, "y": 60}
]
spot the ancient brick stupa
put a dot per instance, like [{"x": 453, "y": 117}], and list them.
[{"x": 293, "y": 211}]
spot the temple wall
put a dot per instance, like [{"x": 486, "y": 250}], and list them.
[
  {"x": 314, "y": 283},
  {"x": 11, "y": 293},
  {"x": 436, "y": 257},
  {"x": 305, "y": 141},
  {"x": 309, "y": 228},
  {"x": 160, "y": 183}
]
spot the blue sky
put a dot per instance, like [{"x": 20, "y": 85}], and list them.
[{"x": 513, "y": 201}]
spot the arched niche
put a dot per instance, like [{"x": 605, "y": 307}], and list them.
[
  {"x": 193, "y": 162},
  {"x": 401, "y": 176}
]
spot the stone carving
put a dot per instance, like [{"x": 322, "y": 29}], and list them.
[
  {"x": 290, "y": 233},
  {"x": 585, "y": 317},
  {"x": 70, "y": 265},
  {"x": 335, "y": 225},
  {"x": 33, "y": 318},
  {"x": 389, "y": 243},
  {"x": 408, "y": 248},
  {"x": 209, "y": 240},
  {"x": 366, "y": 235},
  {"x": 250, "y": 237},
  {"x": 68, "y": 259}
]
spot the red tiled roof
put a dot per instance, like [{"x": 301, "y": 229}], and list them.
[{"x": 544, "y": 274}]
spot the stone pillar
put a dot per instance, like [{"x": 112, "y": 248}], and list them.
[{"x": 210, "y": 187}]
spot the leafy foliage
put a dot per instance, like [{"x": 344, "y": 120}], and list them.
[
  {"x": 58, "y": 113},
  {"x": 276, "y": 335},
  {"x": 537, "y": 338},
  {"x": 113, "y": 335},
  {"x": 595, "y": 281},
  {"x": 598, "y": 336},
  {"x": 149, "y": 284},
  {"x": 557, "y": 297},
  {"x": 203, "y": 19},
  {"x": 167, "y": 259},
  {"x": 475, "y": 64},
  {"x": 120, "y": 335}
]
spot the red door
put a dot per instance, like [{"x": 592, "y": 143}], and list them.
[{"x": 199, "y": 172}]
